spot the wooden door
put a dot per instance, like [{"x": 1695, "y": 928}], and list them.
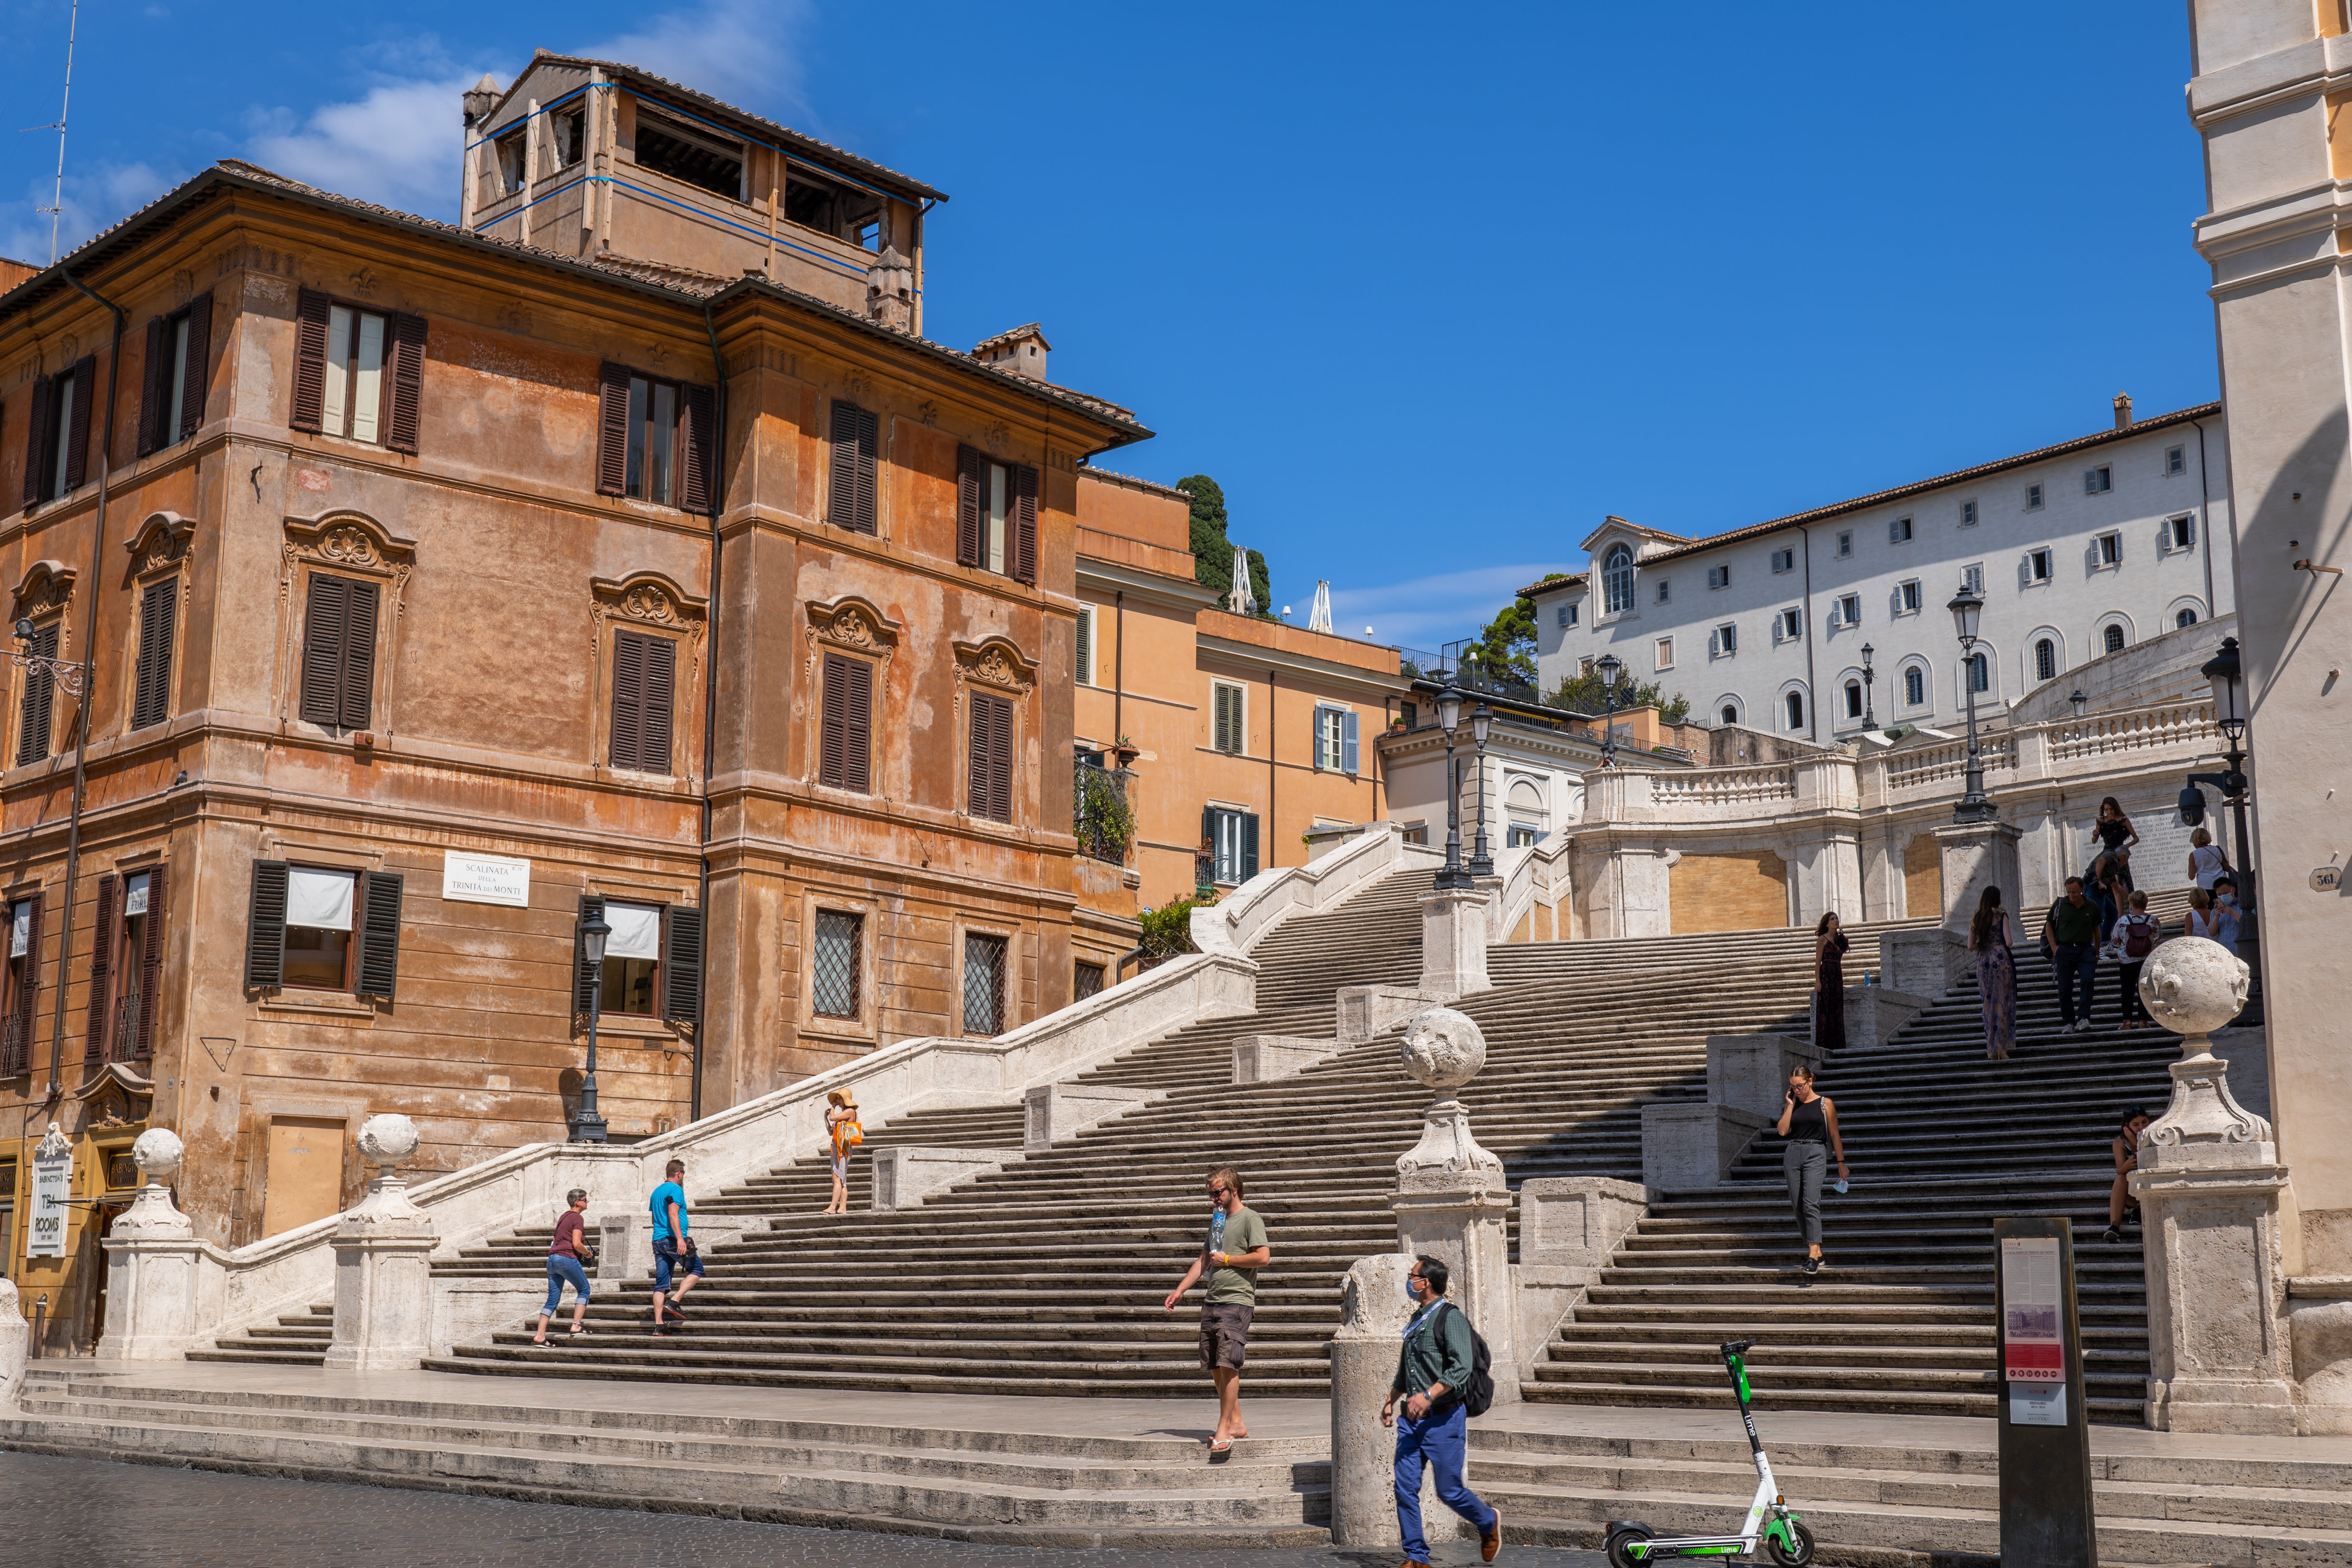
[{"x": 305, "y": 1174}]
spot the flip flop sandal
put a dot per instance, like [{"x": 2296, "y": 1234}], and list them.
[{"x": 1221, "y": 1446}]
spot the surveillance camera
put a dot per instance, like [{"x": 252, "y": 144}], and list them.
[{"x": 2192, "y": 805}]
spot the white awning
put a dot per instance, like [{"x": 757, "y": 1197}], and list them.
[
  {"x": 320, "y": 900},
  {"x": 636, "y": 930}
]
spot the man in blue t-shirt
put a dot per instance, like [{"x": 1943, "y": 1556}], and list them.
[{"x": 674, "y": 1253}]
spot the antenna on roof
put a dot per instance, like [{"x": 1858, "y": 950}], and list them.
[
  {"x": 1319, "y": 619},
  {"x": 58, "y": 198}
]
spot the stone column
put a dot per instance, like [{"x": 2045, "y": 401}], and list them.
[
  {"x": 153, "y": 1264},
  {"x": 2208, "y": 1185},
  {"x": 1977, "y": 855},
  {"x": 383, "y": 1296},
  {"x": 1453, "y": 942}
]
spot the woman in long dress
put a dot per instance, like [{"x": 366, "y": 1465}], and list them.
[
  {"x": 1830, "y": 944},
  {"x": 1988, "y": 938}
]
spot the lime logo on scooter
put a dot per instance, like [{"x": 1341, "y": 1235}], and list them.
[{"x": 1782, "y": 1534}]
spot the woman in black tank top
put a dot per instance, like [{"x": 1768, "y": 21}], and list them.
[{"x": 1808, "y": 1121}]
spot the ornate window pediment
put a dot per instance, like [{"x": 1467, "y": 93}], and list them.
[
  {"x": 348, "y": 542},
  {"x": 650, "y": 599},
  {"x": 995, "y": 664},
  {"x": 47, "y": 590},
  {"x": 852, "y": 624},
  {"x": 160, "y": 543}
]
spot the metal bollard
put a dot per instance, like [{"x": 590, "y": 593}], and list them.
[{"x": 40, "y": 1322}]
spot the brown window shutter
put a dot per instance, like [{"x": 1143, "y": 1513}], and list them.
[
  {"x": 153, "y": 395},
  {"x": 613, "y": 429},
  {"x": 85, "y": 385},
  {"x": 869, "y": 459},
  {"x": 379, "y": 966},
  {"x": 312, "y": 310},
  {"x": 583, "y": 973},
  {"x": 832, "y": 721},
  {"x": 857, "y": 729},
  {"x": 972, "y": 499},
  {"x": 627, "y": 750},
  {"x": 36, "y": 440},
  {"x": 197, "y": 373},
  {"x": 1000, "y": 761},
  {"x": 34, "y": 709},
  {"x": 681, "y": 965},
  {"x": 150, "y": 700},
  {"x": 850, "y": 500},
  {"x": 1024, "y": 519},
  {"x": 408, "y": 366},
  {"x": 976, "y": 753},
  {"x": 326, "y": 617},
  {"x": 660, "y": 697},
  {"x": 265, "y": 928},
  {"x": 356, "y": 698},
  {"x": 694, "y": 469},
  {"x": 28, "y": 988},
  {"x": 102, "y": 970},
  {"x": 150, "y": 962}
]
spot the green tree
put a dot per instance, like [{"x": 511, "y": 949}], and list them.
[
  {"x": 1213, "y": 553},
  {"x": 1587, "y": 693},
  {"x": 1509, "y": 641}
]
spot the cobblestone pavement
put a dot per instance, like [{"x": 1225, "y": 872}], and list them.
[{"x": 89, "y": 1513}]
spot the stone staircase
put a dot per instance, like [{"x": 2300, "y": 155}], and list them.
[
  {"x": 1047, "y": 1277},
  {"x": 1941, "y": 1141}
]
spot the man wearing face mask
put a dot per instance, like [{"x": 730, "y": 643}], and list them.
[
  {"x": 2226, "y": 913},
  {"x": 1433, "y": 1366}
]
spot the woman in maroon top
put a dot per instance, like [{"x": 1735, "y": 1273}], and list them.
[{"x": 566, "y": 1264}]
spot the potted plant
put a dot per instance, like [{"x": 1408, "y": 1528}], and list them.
[{"x": 1126, "y": 750}]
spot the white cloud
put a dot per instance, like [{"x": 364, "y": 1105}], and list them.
[
  {"x": 92, "y": 201},
  {"x": 399, "y": 145},
  {"x": 739, "y": 50},
  {"x": 1427, "y": 612}
]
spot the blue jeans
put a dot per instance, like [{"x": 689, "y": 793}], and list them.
[
  {"x": 1443, "y": 1439},
  {"x": 562, "y": 1271},
  {"x": 2077, "y": 965}
]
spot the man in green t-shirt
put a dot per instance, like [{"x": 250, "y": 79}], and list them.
[{"x": 1231, "y": 1257}]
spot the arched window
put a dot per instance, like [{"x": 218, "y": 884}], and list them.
[
  {"x": 1730, "y": 713},
  {"x": 2045, "y": 660},
  {"x": 1979, "y": 673},
  {"x": 1796, "y": 701},
  {"x": 1914, "y": 686},
  {"x": 1617, "y": 580},
  {"x": 1853, "y": 699},
  {"x": 2181, "y": 622},
  {"x": 2114, "y": 639}
]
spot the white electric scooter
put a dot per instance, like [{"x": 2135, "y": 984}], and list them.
[{"x": 1786, "y": 1540}]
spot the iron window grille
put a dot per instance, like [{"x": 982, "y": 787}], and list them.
[
  {"x": 983, "y": 984},
  {"x": 840, "y": 939}
]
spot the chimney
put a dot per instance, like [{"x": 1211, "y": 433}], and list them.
[
  {"x": 2122, "y": 410},
  {"x": 479, "y": 98},
  {"x": 1021, "y": 350},
  {"x": 890, "y": 291}
]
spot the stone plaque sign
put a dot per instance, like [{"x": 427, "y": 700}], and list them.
[
  {"x": 44, "y": 1237},
  {"x": 2327, "y": 879},
  {"x": 485, "y": 880}
]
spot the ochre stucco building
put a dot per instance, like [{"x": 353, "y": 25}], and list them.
[{"x": 686, "y": 571}]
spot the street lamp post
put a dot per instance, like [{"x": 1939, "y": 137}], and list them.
[
  {"x": 2229, "y": 715},
  {"x": 1482, "y": 859},
  {"x": 1608, "y": 668},
  {"x": 1869, "y": 714},
  {"x": 587, "y": 1127},
  {"x": 1455, "y": 876},
  {"x": 2077, "y": 700},
  {"x": 1968, "y": 612}
]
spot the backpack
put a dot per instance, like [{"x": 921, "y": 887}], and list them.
[
  {"x": 1478, "y": 1396},
  {"x": 2140, "y": 936}
]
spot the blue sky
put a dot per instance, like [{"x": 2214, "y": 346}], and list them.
[{"x": 1428, "y": 293}]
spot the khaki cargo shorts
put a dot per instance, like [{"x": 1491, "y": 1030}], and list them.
[{"x": 1225, "y": 1335}]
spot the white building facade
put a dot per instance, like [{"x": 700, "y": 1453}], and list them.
[{"x": 2080, "y": 550}]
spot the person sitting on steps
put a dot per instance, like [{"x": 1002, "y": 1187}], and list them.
[{"x": 2124, "y": 1150}]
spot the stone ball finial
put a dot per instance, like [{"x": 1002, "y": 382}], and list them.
[
  {"x": 2193, "y": 986},
  {"x": 387, "y": 1140},
  {"x": 1442, "y": 1048},
  {"x": 157, "y": 1154}
]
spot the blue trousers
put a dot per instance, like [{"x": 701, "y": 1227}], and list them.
[
  {"x": 1443, "y": 1442},
  {"x": 2076, "y": 965}
]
